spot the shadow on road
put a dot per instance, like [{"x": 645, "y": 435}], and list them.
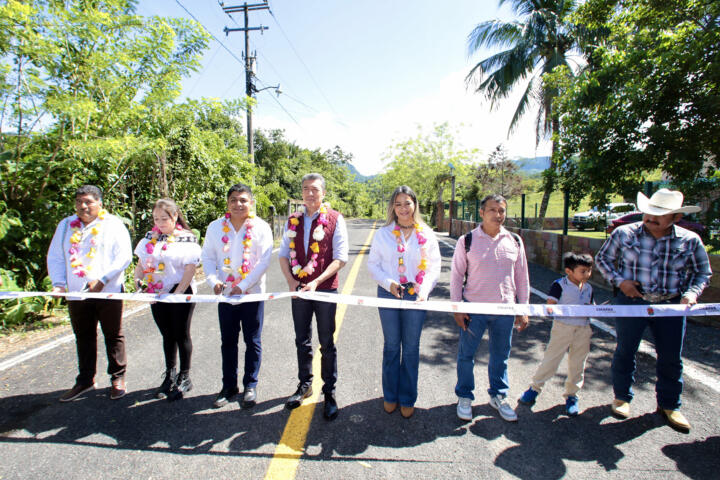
[
  {"x": 548, "y": 438},
  {"x": 697, "y": 460},
  {"x": 140, "y": 422},
  {"x": 365, "y": 424}
]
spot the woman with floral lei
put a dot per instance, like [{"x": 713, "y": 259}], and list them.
[
  {"x": 405, "y": 262},
  {"x": 167, "y": 258},
  {"x": 236, "y": 253}
]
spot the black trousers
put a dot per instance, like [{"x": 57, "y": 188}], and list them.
[
  {"x": 84, "y": 317},
  {"x": 173, "y": 321},
  {"x": 302, "y": 311}
]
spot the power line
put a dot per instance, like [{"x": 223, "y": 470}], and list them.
[
  {"x": 281, "y": 106},
  {"x": 210, "y": 33},
  {"x": 202, "y": 73},
  {"x": 239, "y": 60},
  {"x": 307, "y": 69},
  {"x": 282, "y": 80}
]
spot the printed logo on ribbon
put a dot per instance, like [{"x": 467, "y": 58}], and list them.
[
  {"x": 188, "y": 298},
  {"x": 550, "y": 311},
  {"x": 650, "y": 311},
  {"x": 360, "y": 301},
  {"x": 455, "y": 308},
  {"x": 271, "y": 296}
]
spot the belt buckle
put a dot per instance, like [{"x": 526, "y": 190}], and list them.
[{"x": 656, "y": 297}]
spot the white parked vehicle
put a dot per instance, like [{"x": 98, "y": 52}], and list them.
[{"x": 596, "y": 219}]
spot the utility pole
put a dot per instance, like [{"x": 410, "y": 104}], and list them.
[{"x": 249, "y": 61}]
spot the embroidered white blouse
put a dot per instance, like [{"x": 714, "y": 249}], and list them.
[{"x": 183, "y": 251}]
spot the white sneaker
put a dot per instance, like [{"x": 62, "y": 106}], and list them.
[
  {"x": 500, "y": 404},
  {"x": 464, "y": 409}
]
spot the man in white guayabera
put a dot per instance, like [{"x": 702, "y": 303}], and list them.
[{"x": 89, "y": 253}]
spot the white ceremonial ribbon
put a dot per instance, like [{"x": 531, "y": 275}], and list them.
[{"x": 534, "y": 310}]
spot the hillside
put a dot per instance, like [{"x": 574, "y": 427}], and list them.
[
  {"x": 532, "y": 165},
  {"x": 358, "y": 176}
]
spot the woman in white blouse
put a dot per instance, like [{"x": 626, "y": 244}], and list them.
[
  {"x": 405, "y": 262},
  {"x": 167, "y": 258}
]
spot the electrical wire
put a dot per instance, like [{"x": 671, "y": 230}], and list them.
[
  {"x": 241, "y": 62},
  {"x": 307, "y": 69}
]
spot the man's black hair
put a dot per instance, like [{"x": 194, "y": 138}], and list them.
[
  {"x": 494, "y": 197},
  {"x": 240, "y": 187}
]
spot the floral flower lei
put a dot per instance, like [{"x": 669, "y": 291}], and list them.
[
  {"x": 318, "y": 234},
  {"x": 244, "y": 269},
  {"x": 422, "y": 266},
  {"x": 155, "y": 285},
  {"x": 76, "y": 238}
]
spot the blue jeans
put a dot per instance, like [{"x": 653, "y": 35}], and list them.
[
  {"x": 250, "y": 316},
  {"x": 668, "y": 333},
  {"x": 401, "y": 351},
  {"x": 500, "y": 328}
]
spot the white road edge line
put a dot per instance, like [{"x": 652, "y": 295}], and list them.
[
  {"x": 688, "y": 369},
  {"x": 645, "y": 347},
  {"x": 60, "y": 341}
]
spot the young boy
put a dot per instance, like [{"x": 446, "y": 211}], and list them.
[{"x": 568, "y": 333}]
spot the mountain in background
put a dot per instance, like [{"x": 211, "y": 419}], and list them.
[
  {"x": 528, "y": 166},
  {"x": 532, "y": 165},
  {"x": 358, "y": 176}
]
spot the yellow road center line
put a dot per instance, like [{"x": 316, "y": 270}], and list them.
[{"x": 292, "y": 443}]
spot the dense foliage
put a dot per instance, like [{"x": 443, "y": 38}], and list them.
[
  {"x": 88, "y": 93},
  {"x": 649, "y": 99}
]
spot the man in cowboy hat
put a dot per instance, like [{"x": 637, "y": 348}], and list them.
[{"x": 654, "y": 262}]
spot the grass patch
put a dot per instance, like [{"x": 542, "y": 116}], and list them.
[
  {"x": 555, "y": 205},
  {"x": 588, "y": 234}
]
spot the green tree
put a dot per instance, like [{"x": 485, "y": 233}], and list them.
[
  {"x": 426, "y": 164},
  {"x": 81, "y": 87},
  {"x": 533, "y": 46},
  {"x": 649, "y": 100},
  {"x": 498, "y": 175}
]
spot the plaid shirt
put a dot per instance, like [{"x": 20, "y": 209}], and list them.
[{"x": 674, "y": 264}]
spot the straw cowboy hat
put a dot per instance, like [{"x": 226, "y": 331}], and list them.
[{"x": 663, "y": 202}]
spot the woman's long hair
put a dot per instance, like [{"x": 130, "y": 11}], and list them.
[
  {"x": 391, "y": 217},
  {"x": 169, "y": 206}
]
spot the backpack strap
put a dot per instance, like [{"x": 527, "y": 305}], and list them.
[
  {"x": 517, "y": 238},
  {"x": 468, "y": 243}
]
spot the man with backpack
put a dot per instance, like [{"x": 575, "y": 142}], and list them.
[{"x": 489, "y": 266}]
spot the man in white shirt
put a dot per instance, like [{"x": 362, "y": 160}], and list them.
[
  {"x": 89, "y": 253},
  {"x": 236, "y": 253}
]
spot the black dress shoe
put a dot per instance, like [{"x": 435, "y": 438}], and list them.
[
  {"x": 295, "y": 400},
  {"x": 225, "y": 395},
  {"x": 330, "y": 409},
  {"x": 249, "y": 397}
]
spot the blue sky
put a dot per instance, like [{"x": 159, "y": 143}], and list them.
[{"x": 358, "y": 74}]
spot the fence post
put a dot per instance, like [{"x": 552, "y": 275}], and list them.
[
  {"x": 522, "y": 210},
  {"x": 566, "y": 211}
]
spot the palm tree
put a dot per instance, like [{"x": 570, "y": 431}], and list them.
[{"x": 533, "y": 46}]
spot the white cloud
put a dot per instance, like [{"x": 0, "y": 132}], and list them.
[{"x": 367, "y": 140}]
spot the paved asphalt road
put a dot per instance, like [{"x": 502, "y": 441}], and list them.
[{"x": 140, "y": 437}]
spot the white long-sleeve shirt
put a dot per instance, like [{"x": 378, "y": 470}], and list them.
[
  {"x": 260, "y": 254},
  {"x": 113, "y": 253},
  {"x": 383, "y": 258}
]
